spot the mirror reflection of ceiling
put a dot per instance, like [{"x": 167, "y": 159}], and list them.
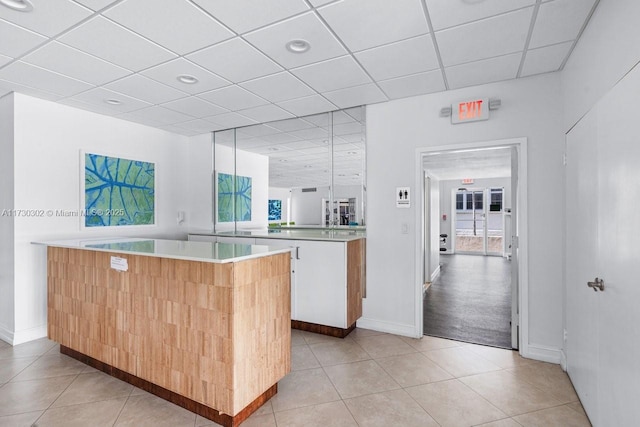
[
  {"x": 475, "y": 164},
  {"x": 299, "y": 149}
]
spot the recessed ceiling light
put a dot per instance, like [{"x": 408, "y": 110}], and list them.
[
  {"x": 283, "y": 160},
  {"x": 113, "y": 101},
  {"x": 19, "y": 5},
  {"x": 352, "y": 152},
  {"x": 187, "y": 79},
  {"x": 341, "y": 174},
  {"x": 308, "y": 166},
  {"x": 298, "y": 46}
]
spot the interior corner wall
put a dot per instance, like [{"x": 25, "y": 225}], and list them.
[
  {"x": 48, "y": 140},
  {"x": 7, "y": 259},
  {"x": 200, "y": 177},
  {"x": 531, "y": 108}
]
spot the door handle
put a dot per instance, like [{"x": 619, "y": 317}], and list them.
[{"x": 596, "y": 285}]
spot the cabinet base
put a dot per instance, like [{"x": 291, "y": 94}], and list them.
[
  {"x": 173, "y": 397},
  {"x": 322, "y": 329}
]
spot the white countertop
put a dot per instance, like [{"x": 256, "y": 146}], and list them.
[
  {"x": 175, "y": 249},
  {"x": 290, "y": 234}
]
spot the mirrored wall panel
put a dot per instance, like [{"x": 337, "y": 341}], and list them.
[{"x": 301, "y": 172}]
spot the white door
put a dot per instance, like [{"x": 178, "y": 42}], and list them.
[{"x": 581, "y": 259}]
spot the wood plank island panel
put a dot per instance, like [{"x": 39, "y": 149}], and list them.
[
  {"x": 215, "y": 333},
  {"x": 356, "y": 279}
]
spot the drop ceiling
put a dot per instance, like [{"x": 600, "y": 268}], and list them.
[{"x": 84, "y": 53}]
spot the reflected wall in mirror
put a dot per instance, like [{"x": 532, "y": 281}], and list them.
[{"x": 314, "y": 165}]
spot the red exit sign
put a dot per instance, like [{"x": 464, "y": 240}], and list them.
[{"x": 470, "y": 111}]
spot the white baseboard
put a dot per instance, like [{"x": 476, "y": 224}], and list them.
[
  {"x": 435, "y": 273},
  {"x": 542, "y": 353},
  {"x": 6, "y": 335},
  {"x": 563, "y": 360},
  {"x": 388, "y": 327},
  {"x": 26, "y": 335}
]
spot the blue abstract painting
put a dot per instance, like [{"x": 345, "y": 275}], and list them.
[
  {"x": 118, "y": 191},
  {"x": 227, "y": 195},
  {"x": 275, "y": 210}
]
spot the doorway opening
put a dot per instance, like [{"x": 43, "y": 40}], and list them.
[{"x": 470, "y": 254}]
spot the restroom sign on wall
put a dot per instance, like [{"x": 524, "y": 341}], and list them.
[
  {"x": 470, "y": 111},
  {"x": 403, "y": 197}
]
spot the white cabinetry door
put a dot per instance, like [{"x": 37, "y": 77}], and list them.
[{"x": 321, "y": 282}]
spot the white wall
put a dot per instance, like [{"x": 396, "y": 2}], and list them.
[
  {"x": 283, "y": 194},
  {"x": 7, "y": 314},
  {"x": 47, "y": 143},
  {"x": 531, "y": 108},
  {"x": 202, "y": 182},
  {"x": 446, "y": 227}
]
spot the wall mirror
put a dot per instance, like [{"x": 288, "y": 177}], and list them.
[{"x": 304, "y": 172}]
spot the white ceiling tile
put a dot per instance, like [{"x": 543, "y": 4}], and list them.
[
  {"x": 96, "y": 4},
  {"x": 7, "y": 86},
  {"x": 559, "y": 21},
  {"x": 168, "y": 73},
  {"x": 100, "y": 109},
  {"x": 332, "y": 74},
  {"x": 359, "y": 95},
  {"x": 266, "y": 113},
  {"x": 308, "y": 105},
  {"x": 400, "y": 59},
  {"x": 417, "y": 84},
  {"x": 235, "y": 60},
  {"x": 111, "y": 42},
  {"x": 244, "y": 15},
  {"x": 362, "y": 24},
  {"x": 448, "y": 13},
  {"x": 318, "y": 3},
  {"x": 39, "y": 78},
  {"x": 161, "y": 115},
  {"x": 291, "y": 125},
  {"x": 272, "y": 40},
  {"x": 144, "y": 88},
  {"x": 177, "y": 25},
  {"x": 233, "y": 98},
  {"x": 22, "y": 40},
  {"x": 250, "y": 132},
  {"x": 490, "y": 37},
  {"x": 545, "y": 59},
  {"x": 195, "y": 107},
  {"x": 48, "y": 17},
  {"x": 99, "y": 95},
  {"x": 4, "y": 60},
  {"x": 485, "y": 71},
  {"x": 278, "y": 87},
  {"x": 141, "y": 120},
  {"x": 312, "y": 133},
  {"x": 199, "y": 126},
  {"x": 178, "y": 130},
  {"x": 231, "y": 120},
  {"x": 74, "y": 63}
]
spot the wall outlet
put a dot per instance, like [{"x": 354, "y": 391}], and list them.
[{"x": 404, "y": 228}]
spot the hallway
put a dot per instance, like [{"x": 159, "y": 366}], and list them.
[{"x": 470, "y": 300}]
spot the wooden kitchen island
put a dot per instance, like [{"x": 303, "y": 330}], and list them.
[{"x": 203, "y": 325}]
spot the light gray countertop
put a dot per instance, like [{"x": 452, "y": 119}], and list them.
[
  {"x": 175, "y": 249},
  {"x": 331, "y": 235}
]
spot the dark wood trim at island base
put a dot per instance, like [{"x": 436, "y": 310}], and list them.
[
  {"x": 189, "y": 404},
  {"x": 322, "y": 329}
]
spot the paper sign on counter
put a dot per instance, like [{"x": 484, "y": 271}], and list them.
[{"x": 120, "y": 264}]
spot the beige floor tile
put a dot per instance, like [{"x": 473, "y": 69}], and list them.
[
  {"x": 577, "y": 406},
  {"x": 55, "y": 365},
  {"x": 460, "y": 361},
  {"x": 265, "y": 420},
  {"x": 333, "y": 414},
  {"x": 499, "y": 356},
  {"x": 303, "y": 358},
  {"x": 413, "y": 369},
  {"x": 312, "y": 338},
  {"x": 379, "y": 346},
  {"x": 360, "y": 378},
  {"x": 512, "y": 396},
  {"x": 390, "y": 408},
  {"x": 9, "y": 368},
  {"x": 53, "y": 350},
  {"x": 548, "y": 377},
  {"x": 336, "y": 352},
  {"x": 561, "y": 416},
  {"x": 304, "y": 388},
  {"x": 30, "y": 349},
  {"x": 507, "y": 422},
  {"x": 20, "y": 420},
  {"x": 96, "y": 414},
  {"x": 361, "y": 332},
  {"x": 93, "y": 387},
  {"x": 151, "y": 411},
  {"x": 267, "y": 408},
  {"x": 297, "y": 338},
  {"x": 427, "y": 343},
  {"x": 205, "y": 422},
  {"x": 451, "y": 403},
  {"x": 25, "y": 396}
]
